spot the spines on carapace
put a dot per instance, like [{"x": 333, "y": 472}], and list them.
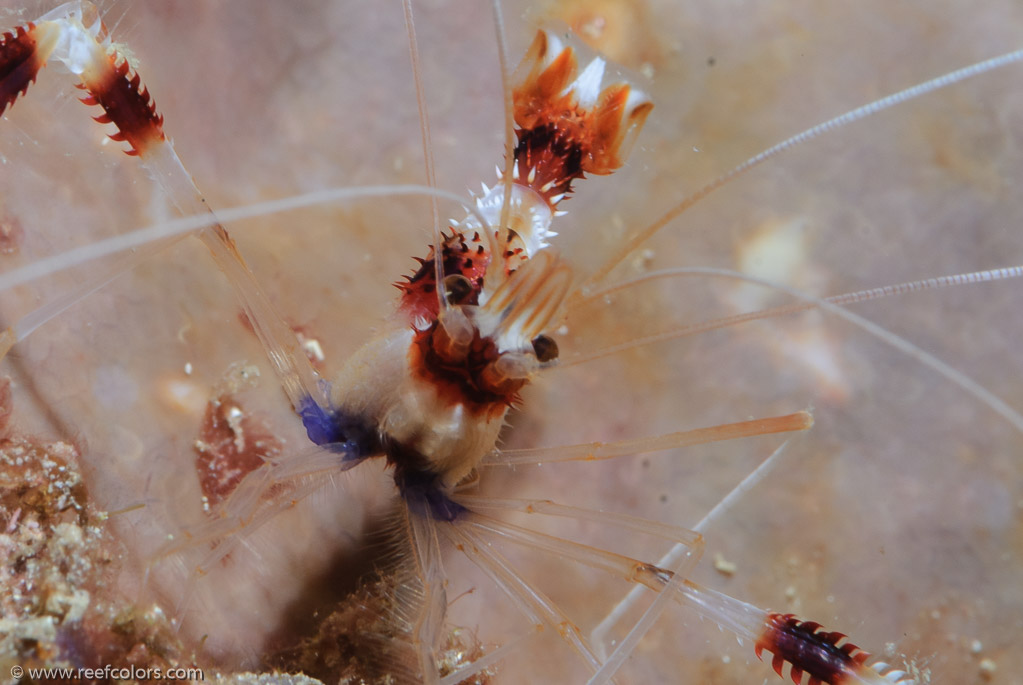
[
  {"x": 463, "y": 255},
  {"x": 20, "y": 63},
  {"x": 126, "y": 103},
  {"x": 818, "y": 654}
]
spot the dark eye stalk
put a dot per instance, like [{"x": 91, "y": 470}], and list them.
[{"x": 545, "y": 348}]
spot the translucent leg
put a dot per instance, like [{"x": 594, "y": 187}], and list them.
[
  {"x": 601, "y": 632},
  {"x": 533, "y": 604},
  {"x": 821, "y": 655},
  {"x": 799, "y": 421},
  {"x": 427, "y": 629},
  {"x": 234, "y": 534},
  {"x": 247, "y": 507},
  {"x": 690, "y": 542},
  {"x": 260, "y": 497}
]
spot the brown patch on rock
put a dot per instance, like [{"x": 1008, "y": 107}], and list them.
[
  {"x": 364, "y": 641},
  {"x": 231, "y": 444}
]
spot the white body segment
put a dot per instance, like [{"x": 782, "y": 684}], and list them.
[{"x": 377, "y": 385}]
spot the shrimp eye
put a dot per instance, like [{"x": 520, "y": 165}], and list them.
[
  {"x": 458, "y": 289},
  {"x": 545, "y": 348}
]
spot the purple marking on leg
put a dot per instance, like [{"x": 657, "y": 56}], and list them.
[
  {"x": 337, "y": 432},
  {"x": 425, "y": 496}
]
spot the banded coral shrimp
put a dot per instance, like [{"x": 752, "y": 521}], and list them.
[{"x": 862, "y": 484}]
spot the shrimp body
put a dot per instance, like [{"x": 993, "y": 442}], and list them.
[{"x": 433, "y": 394}]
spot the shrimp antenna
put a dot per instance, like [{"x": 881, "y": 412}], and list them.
[
  {"x": 828, "y": 126},
  {"x": 807, "y": 303},
  {"x": 431, "y": 172},
  {"x": 508, "y": 175},
  {"x": 955, "y": 376},
  {"x": 141, "y": 237}
]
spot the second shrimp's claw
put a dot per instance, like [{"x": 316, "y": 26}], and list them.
[{"x": 819, "y": 654}]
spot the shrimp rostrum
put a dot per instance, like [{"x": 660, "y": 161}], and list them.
[{"x": 429, "y": 395}]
